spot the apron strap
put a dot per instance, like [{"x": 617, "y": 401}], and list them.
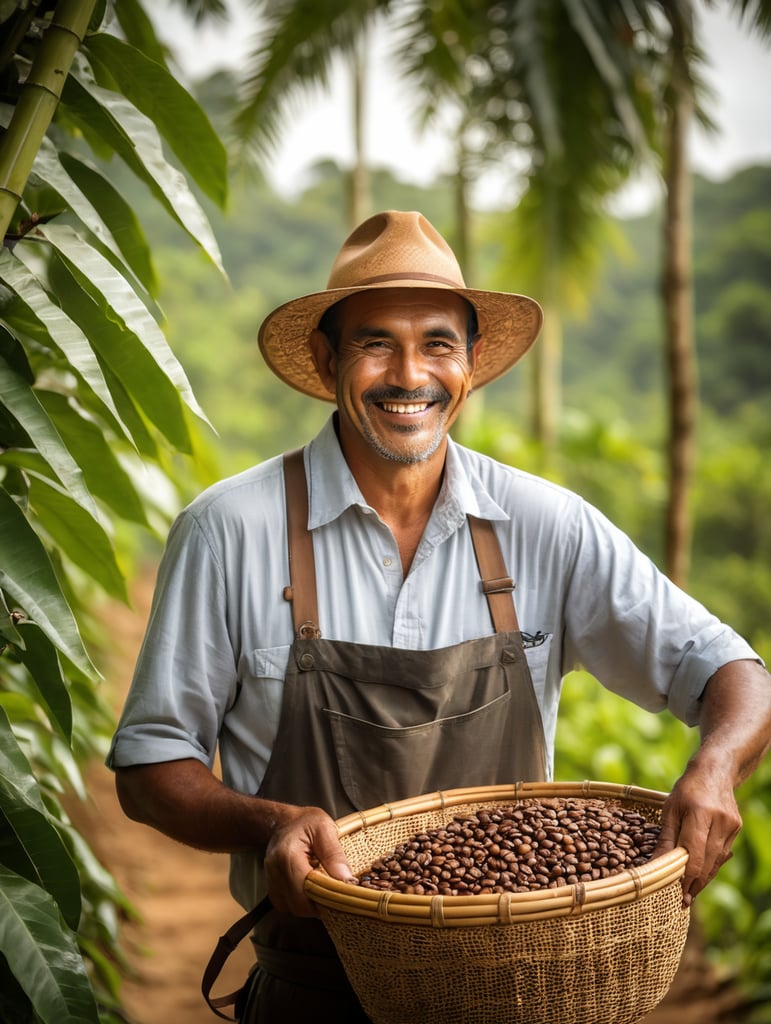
[
  {"x": 225, "y": 946},
  {"x": 497, "y": 586},
  {"x": 301, "y": 591}
]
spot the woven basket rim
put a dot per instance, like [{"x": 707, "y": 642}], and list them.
[{"x": 497, "y": 908}]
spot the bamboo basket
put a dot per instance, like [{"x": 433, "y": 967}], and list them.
[{"x": 601, "y": 952}]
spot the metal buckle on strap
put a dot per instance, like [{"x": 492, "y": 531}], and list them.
[
  {"x": 309, "y": 631},
  {"x": 504, "y": 585}
]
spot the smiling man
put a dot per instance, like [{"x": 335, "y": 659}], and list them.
[{"x": 340, "y": 624}]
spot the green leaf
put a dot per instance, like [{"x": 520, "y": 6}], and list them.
[
  {"x": 48, "y": 168},
  {"x": 13, "y": 353},
  {"x": 19, "y": 398},
  {"x": 122, "y": 353},
  {"x": 27, "y": 575},
  {"x": 174, "y": 112},
  {"x": 117, "y": 215},
  {"x": 39, "y": 657},
  {"x": 138, "y": 30},
  {"x": 40, "y": 850},
  {"x": 80, "y": 537},
  {"x": 105, "y": 476},
  {"x": 34, "y": 314},
  {"x": 42, "y": 953},
  {"x": 120, "y": 299},
  {"x": 136, "y": 141}
]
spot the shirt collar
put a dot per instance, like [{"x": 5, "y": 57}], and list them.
[{"x": 333, "y": 488}]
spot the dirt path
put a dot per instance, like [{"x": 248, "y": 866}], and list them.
[{"x": 183, "y": 898}]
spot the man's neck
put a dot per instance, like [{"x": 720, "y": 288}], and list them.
[{"x": 402, "y": 494}]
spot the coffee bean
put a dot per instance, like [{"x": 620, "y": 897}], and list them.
[{"x": 534, "y": 844}]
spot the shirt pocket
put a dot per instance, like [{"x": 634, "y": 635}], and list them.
[{"x": 268, "y": 662}]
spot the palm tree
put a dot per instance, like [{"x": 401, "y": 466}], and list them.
[
  {"x": 301, "y": 42},
  {"x": 682, "y": 100}
]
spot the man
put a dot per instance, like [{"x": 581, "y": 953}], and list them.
[{"x": 368, "y": 647}]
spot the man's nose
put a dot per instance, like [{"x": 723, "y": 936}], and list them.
[{"x": 407, "y": 370}]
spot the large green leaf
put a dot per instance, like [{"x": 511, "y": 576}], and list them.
[
  {"x": 42, "y": 850},
  {"x": 139, "y": 30},
  {"x": 105, "y": 476},
  {"x": 174, "y": 112},
  {"x": 39, "y": 656},
  {"x": 77, "y": 535},
  {"x": 122, "y": 352},
  {"x": 32, "y": 313},
  {"x": 48, "y": 168},
  {"x": 119, "y": 300},
  {"x": 118, "y": 215},
  {"x": 136, "y": 141},
  {"x": 28, "y": 577},
  {"x": 42, "y": 954},
  {"x": 20, "y": 399}
]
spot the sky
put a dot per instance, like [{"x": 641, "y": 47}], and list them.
[{"x": 739, "y": 74}]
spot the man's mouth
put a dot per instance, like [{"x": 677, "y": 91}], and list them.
[{"x": 404, "y": 407}]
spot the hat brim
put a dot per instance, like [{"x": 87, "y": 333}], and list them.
[{"x": 509, "y": 324}]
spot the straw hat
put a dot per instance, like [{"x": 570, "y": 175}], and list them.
[{"x": 396, "y": 250}]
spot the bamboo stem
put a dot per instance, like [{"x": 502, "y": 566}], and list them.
[{"x": 38, "y": 100}]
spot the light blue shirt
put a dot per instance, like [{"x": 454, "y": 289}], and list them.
[{"x": 212, "y": 664}]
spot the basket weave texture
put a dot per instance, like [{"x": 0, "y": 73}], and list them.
[{"x": 604, "y": 952}]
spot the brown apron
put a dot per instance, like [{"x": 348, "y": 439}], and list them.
[{"x": 361, "y": 725}]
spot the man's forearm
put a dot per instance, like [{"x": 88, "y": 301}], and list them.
[
  {"x": 187, "y": 802},
  {"x": 735, "y": 722}
]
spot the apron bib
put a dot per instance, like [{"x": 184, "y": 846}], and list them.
[{"x": 362, "y": 725}]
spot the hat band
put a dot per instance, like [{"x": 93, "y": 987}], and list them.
[{"x": 412, "y": 277}]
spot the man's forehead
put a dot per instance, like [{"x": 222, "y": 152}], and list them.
[{"x": 406, "y": 301}]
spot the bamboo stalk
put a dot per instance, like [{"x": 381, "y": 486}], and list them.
[{"x": 38, "y": 100}]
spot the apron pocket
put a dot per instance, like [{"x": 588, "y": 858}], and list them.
[{"x": 463, "y": 750}]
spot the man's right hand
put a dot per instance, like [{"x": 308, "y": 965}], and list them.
[{"x": 302, "y": 838}]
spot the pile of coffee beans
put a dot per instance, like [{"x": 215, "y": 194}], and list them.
[{"x": 530, "y": 845}]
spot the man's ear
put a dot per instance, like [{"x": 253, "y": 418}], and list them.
[
  {"x": 324, "y": 359},
  {"x": 476, "y": 348}
]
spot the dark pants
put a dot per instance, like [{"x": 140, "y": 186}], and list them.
[{"x": 272, "y": 1000}]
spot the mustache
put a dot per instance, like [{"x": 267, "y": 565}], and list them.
[{"x": 426, "y": 394}]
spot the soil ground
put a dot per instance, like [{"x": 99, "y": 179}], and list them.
[{"x": 184, "y": 904}]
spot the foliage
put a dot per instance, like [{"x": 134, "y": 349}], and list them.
[{"x": 91, "y": 399}]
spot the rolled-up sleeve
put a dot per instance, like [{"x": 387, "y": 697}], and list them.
[
  {"x": 185, "y": 677},
  {"x": 634, "y": 630}
]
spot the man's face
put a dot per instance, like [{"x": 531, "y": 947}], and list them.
[{"x": 401, "y": 372}]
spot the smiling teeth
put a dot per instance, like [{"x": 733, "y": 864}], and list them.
[{"x": 401, "y": 407}]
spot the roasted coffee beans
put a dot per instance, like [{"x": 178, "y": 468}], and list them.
[{"x": 533, "y": 844}]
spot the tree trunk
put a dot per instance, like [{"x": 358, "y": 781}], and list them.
[
  {"x": 546, "y": 390},
  {"x": 359, "y": 197},
  {"x": 677, "y": 295}
]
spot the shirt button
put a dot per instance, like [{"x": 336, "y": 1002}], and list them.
[{"x": 387, "y": 560}]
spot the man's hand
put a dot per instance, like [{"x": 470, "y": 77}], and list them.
[
  {"x": 304, "y": 838},
  {"x": 701, "y": 813}
]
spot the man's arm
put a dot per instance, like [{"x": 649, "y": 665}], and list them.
[
  {"x": 701, "y": 813},
  {"x": 185, "y": 801}
]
